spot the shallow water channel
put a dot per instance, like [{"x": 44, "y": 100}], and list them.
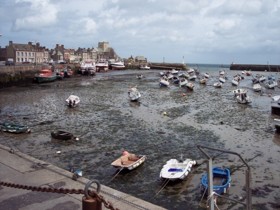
[{"x": 166, "y": 123}]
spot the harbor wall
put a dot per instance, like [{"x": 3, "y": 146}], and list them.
[{"x": 255, "y": 67}]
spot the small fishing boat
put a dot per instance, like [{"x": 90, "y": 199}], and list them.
[
  {"x": 257, "y": 87},
  {"x": 206, "y": 75},
  {"x": 45, "y": 75},
  {"x": 221, "y": 180},
  {"x": 239, "y": 91},
  {"x": 190, "y": 85},
  {"x": 128, "y": 161},
  {"x": 72, "y": 101},
  {"x": 222, "y": 79},
  {"x": 203, "y": 80},
  {"x": 183, "y": 82},
  {"x": 164, "y": 82},
  {"x": 271, "y": 84},
  {"x": 14, "y": 128},
  {"x": 218, "y": 84},
  {"x": 134, "y": 94},
  {"x": 62, "y": 135},
  {"x": 243, "y": 98},
  {"x": 176, "y": 169}
]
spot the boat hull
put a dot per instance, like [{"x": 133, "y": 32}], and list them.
[{"x": 221, "y": 181}]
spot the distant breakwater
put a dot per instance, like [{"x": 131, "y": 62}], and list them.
[{"x": 255, "y": 67}]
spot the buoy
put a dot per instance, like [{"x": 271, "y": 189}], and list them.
[
  {"x": 125, "y": 152},
  {"x": 164, "y": 113},
  {"x": 183, "y": 94},
  {"x": 77, "y": 139},
  {"x": 58, "y": 152}
]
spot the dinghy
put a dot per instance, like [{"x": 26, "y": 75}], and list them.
[
  {"x": 134, "y": 94},
  {"x": 128, "y": 161},
  {"x": 72, "y": 101},
  {"x": 221, "y": 180},
  {"x": 176, "y": 170}
]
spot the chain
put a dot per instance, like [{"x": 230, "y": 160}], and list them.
[{"x": 93, "y": 194}]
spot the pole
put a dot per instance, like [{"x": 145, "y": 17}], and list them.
[{"x": 210, "y": 183}]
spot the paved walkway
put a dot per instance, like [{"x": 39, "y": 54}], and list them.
[{"x": 19, "y": 168}]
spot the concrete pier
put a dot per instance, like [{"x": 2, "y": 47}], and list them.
[{"x": 19, "y": 168}]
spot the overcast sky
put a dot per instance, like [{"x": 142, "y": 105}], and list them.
[{"x": 193, "y": 31}]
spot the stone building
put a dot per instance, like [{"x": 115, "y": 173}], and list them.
[{"x": 26, "y": 53}]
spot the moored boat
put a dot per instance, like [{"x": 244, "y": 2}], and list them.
[
  {"x": 14, "y": 128},
  {"x": 72, "y": 101},
  {"x": 134, "y": 94},
  {"x": 62, "y": 135},
  {"x": 221, "y": 180},
  {"x": 176, "y": 170},
  {"x": 128, "y": 161},
  {"x": 117, "y": 65},
  {"x": 45, "y": 75}
]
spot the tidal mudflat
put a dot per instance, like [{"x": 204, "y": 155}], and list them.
[{"x": 164, "y": 124}]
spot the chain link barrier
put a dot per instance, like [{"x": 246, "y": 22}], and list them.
[{"x": 91, "y": 193}]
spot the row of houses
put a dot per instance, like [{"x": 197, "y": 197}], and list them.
[{"x": 35, "y": 53}]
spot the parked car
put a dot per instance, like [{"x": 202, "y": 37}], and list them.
[{"x": 10, "y": 62}]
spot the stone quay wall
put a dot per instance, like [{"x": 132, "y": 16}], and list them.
[{"x": 254, "y": 67}]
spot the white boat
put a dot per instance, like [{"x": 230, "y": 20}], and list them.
[
  {"x": 183, "y": 82},
  {"x": 88, "y": 68},
  {"x": 117, "y": 65},
  {"x": 242, "y": 98},
  {"x": 203, "y": 81},
  {"x": 176, "y": 170},
  {"x": 222, "y": 79},
  {"x": 206, "y": 75},
  {"x": 128, "y": 161},
  {"x": 275, "y": 98},
  {"x": 234, "y": 82},
  {"x": 134, "y": 94},
  {"x": 271, "y": 84},
  {"x": 261, "y": 78},
  {"x": 139, "y": 76},
  {"x": 239, "y": 91},
  {"x": 192, "y": 77},
  {"x": 101, "y": 65},
  {"x": 191, "y": 71},
  {"x": 257, "y": 87},
  {"x": 72, "y": 101},
  {"x": 190, "y": 85},
  {"x": 222, "y": 72},
  {"x": 163, "y": 82},
  {"x": 145, "y": 67},
  {"x": 218, "y": 84},
  {"x": 173, "y": 71}
]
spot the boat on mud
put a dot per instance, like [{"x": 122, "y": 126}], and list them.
[
  {"x": 62, "y": 135},
  {"x": 176, "y": 169},
  {"x": 128, "y": 161},
  {"x": 14, "y": 128},
  {"x": 72, "y": 101},
  {"x": 221, "y": 180},
  {"x": 134, "y": 94},
  {"x": 45, "y": 75}
]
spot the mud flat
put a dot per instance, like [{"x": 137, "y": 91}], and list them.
[{"x": 166, "y": 123}]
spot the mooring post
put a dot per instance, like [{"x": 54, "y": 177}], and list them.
[{"x": 210, "y": 184}]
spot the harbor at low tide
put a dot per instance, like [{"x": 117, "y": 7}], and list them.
[{"x": 166, "y": 123}]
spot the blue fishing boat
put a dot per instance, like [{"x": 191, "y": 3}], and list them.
[
  {"x": 221, "y": 180},
  {"x": 14, "y": 128}
]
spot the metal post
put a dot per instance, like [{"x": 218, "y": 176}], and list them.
[
  {"x": 210, "y": 183},
  {"x": 248, "y": 191}
]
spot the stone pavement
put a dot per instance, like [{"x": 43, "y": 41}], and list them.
[{"x": 19, "y": 168}]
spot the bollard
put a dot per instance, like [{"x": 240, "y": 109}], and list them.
[{"x": 89, "y": 202}]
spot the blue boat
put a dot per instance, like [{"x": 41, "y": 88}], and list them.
[
  {"x": 221, "y": 180},
  {"x": 14, "y": 128}
]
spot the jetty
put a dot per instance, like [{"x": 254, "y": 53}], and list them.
[{"x": 255, "y": 67}]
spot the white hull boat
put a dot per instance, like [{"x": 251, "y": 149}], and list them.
[
  {"x": 206, "y": 75},
  {"x": 134, "y": 94},
  {"x": 164, "y": 82},
  {"x": 218, "y": 84},
  {"x": 242, "y": 98},
  {"x": 222, "y": 80},
  {"x": 183, "y": 82},
  {"x": 257, "y": 87},
  {"x": 203, "y": 81},
  {"x": 72, "y": 101},
  {"x": 271, "y": 84},
  {"x": 239, "y": 91},
  {"x": 190, "y": 85},
  {"x": 176, "y": 170},
  {"x": 145, "y": 67},
  {"x": 234, "y": 82}
]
